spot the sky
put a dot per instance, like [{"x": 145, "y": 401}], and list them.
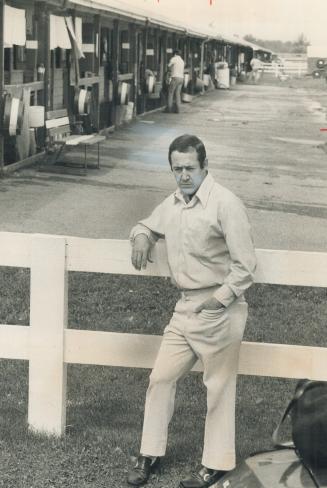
[{"x": 265, "y": 19}]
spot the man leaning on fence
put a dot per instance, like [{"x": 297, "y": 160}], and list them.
[{"x": 212, "y": 262}]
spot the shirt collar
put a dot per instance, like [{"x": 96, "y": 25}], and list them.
[{"x": 203, "y": 191}]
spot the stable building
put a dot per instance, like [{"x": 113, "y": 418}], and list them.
[{"x": 102, "y": 61}]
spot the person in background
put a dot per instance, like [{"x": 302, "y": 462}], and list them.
[
  {"x": 256, "y": 66},
  {"x": 212, "y": 261},
  {"x": 176, "y": 70}
]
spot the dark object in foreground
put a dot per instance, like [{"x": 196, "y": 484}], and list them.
[
  {"x": 309, "y": 423},
  {"x": 273, "y": 469},
  {"x": 308, "y": 413},
  {"x": 302, "y": 464}
]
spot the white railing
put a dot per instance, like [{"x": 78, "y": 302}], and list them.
[
  {"x": 298, "y": 68},
  {"x": 49, "y": 345}
]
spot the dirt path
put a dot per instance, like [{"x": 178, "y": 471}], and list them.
[{"x": 262, "y": 143}]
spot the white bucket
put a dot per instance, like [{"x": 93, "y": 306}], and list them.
[
  {"x": 186, "y": 79},
  {"x": 187, "y": 98},
  {"x": 129, "y": 111},
  {"x": 206, "y": 80},
  {"x": 123, "y": 93},
  {"x": 223, "y": 78},
  {"x": 36, "y": 116},
  {"x": 150, "y": 83}
]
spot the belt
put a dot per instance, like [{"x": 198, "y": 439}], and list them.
[{"x": 187, "y": 293}]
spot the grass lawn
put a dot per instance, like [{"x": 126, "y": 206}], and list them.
[{"x": 105, "y": 405}]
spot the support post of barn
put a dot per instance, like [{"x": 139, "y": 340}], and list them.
[
  {"x": 145, "y": 65},
  {"x": 48, "y": 320},
  {"x": 202, "y": 59},
  {"x": 115, "y": 60},
  {"x": 44, "y": 49},
  {"x": 132, "y": 37},
  {"x": 96, "y": 87},
  {"x": 2, "y": 7}
]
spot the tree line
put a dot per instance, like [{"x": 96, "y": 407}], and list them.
[{"x": 299, "y": 46}]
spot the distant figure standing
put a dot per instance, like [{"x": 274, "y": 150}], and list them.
[
  {"x": 176, "y": 69},
  {"x": 256, "y": 66}
]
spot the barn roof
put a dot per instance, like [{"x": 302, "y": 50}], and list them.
[{"x": 119, "y": 7}]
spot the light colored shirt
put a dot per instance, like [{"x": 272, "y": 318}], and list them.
[
  {"x": 208, "y": 240},
  {"x": 176, "y": 66},
  {"x": 255, "y": 64}
]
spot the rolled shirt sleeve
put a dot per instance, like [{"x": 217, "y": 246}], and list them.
[
  {"x": 152, "y": 227},
  {"x": 237, "y": 232},
  {"x": 208, "y": 240}
]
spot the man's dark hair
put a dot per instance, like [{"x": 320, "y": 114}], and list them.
[
  {"x": 177, "y": 52},
  {"x": 186, "y": 143}
]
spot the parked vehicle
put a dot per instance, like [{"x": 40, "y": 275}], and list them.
[{"x": 317, "y": 61}]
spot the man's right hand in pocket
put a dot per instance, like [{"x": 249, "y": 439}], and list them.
[{"x": 141, "y": 252}]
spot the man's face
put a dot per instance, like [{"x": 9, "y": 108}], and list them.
[{"x": 187, "y": 171}]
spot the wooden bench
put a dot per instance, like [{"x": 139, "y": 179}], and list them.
[{"x": 60, "y": 135}]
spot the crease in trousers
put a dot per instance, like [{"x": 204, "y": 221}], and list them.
[{"x": 213, "y": 337}]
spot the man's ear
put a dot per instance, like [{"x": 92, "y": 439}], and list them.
[{"x": 205, "y": 164}]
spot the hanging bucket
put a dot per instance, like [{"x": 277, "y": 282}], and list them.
[
  {"x": 206, "y": 80},
  {"x": 187, "y": 98},
  {"x": 123, "y": 92},
  {"x": 13, "y": 115},
  {"x": 36, "y": 116},
  {"x": 82, "y": 102},
  {"x": 186, "y": 80},
  {"x": 129, "y": 111},
  {"x": 150, "y": 83}
]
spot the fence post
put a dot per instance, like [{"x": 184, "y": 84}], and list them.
[
  {"x": 276, "y": 70},
  {"x": 48, "y": 319}
]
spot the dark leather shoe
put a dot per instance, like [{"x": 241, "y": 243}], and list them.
[
  {"x": 144, "y": 466},
  {"x": 202, "y": 479}
]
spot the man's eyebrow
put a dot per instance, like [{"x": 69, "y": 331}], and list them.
[{"x": 190, "y": 165}]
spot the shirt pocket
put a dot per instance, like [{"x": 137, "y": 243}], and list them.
[{"x": 201, "y": 233}]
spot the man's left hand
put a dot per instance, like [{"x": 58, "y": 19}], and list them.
[{"x": 210, "y": 304}]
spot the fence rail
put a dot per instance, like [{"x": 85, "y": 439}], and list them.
[
  {"x": 298, "y": 68},
  {"x": 49, "y": 345}
]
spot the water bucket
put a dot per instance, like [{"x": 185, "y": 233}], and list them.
[
  {"x": 206, "y": 80},
  {"x": 150, "y": 83},
  {"x": 129, "y": 111},
  {"x": 36, "y": 116},
  {"x": 82, "y": 101},
  {"x": 123, "y": 90},
  {"x": 223, "y": 78},
  {"x": 187, "y": 98},
  {"x": 186, "y": 80}
]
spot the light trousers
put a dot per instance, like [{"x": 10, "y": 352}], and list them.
[
  {"x": 174, "y": 92},
  {"x": 256, "y": 75},
  {"x": 213, "y": 337}
]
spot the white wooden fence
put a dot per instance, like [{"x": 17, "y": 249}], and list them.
[
  {"x": 49, "y": 345},
  {"x": 292, "y": 68}
]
